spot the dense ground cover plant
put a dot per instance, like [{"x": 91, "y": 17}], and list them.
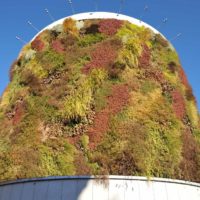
[{"x": 100, "y": 96}]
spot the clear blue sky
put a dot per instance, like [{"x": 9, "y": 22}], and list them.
[{"x": 183, "y": 16}]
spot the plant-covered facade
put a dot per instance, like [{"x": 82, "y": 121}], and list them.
[{"x": 99, "y": 96}]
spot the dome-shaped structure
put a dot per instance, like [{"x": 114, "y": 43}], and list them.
[{"x": 99, "y": 94}]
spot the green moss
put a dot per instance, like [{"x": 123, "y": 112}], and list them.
[
  {"x": 37, "y": 68},
  {"x": 90, "y": 39},
  {"x": 132, "y": 45},
  {"x": 80, "y": 62},
  {"x": 6, "y": 171},
  {"x": 164, "y": 150},
  {"x": 132, "y": 31},
  {"x": 161, "y": 57},
  {"x": 129, "y": 30},
  {"x": 150, "y": 148},
  {"x": 192, "y": 113},
  {"x": 50, "y": 60},
  {"x": 84, "y": 140},
  {"x": 100, "y": 96},
  {"x": 39, "y": 106},
  {"x": 148, "y": 87},
  {"x": 10, "y": 95},
  {"x": 58, "y": 162},
  {"x": 4, "y": 145},
  {"x": 78, "y": 103}
]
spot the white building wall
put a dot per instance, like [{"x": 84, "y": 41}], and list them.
[{"x": 91, "y": 188}]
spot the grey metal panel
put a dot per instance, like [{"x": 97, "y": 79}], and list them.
[
  {"x": 55, "y": 190},
  {"x": 41, "y": 190},
  {"x": 28, "y": 191},
  {"x": 17, "y": 190},
  {"x": 1, "y": 192},
  {"x": 6, "y": 192},
  {"x": 69, "y": 189}
]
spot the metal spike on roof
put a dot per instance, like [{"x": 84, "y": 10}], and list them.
[
  {"x": 71, "y": 5},
  {"x": 176, "y": 37},
  {"x": 146, "y": 8},
  {"x": 34, "y": 27},
  {"x": 164, "y": 21},
  {"x": 121, "y": 6},
  {"x": 96, "y": 5},
  {"x": 21, "y": 40},
  {"x": 49, "y": 14}
]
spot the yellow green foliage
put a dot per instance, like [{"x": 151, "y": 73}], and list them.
[
  {"x": 69, "y": 26},
  {"x": 78, "y": 103},
  {"x": 133, "y": 38},
  {"x": 57, "y": 163},
  {"x": 50, "y": 61},
  {"x": 132, "y": 31},
  {"x": 148, "y": 144},
  {"x": 24, "y": 50},
  {"x": 84, "y": 141},
  {"x": 148, "y": 87},
  {"x": 10, "y": 94},
  {"x": 161, "y": 57},
  {"x": 90, "y": 39},
  {"x": 193, "y": 113},
  {"x": 37, "y": 68}
]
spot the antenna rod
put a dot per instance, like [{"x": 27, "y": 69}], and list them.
[
  {"x": 121, "y": 6},
  {"x": 176, "y": 37},
  {"x": 49, "y": 14},
  {"x": 21, "y": 40},
  {"x": 35, "y": 28},
  {"x": 96, "y": 5},
  {"x": 71, "y": 5},
  {"x": 146, "y": 8},
  {"x": 164, "y": 21}
]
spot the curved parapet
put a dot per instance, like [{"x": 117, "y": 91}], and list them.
[
  {"x": 101, "y": 15},
  {"x": 97, "y": 188}
]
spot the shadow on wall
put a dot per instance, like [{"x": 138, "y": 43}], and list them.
[{"x": 44, "y": 189}]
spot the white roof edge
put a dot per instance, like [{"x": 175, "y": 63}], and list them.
[
  {"x": 109, "y": 177},
  {"x": 100, "y": 15}
]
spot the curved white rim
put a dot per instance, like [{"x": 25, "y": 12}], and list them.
[
  {"x": 109, "y": 177},
  {"x": 100, "y": 15}
]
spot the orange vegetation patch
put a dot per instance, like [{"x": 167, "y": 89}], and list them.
[
  {"x": 110, "y": 26},
  {"x": 178, "y": 104},
  {"x": 19, "y": 113},
  {"x": 103, "y": 56},
  {"x": 37, "y": 44},
  {"x": 183, "y": 77},
  {"x": 74, "y": 139},
  {"x": 58, "y": 46},
  {"x": 145, "y": 58},
  {"x": 190, "y": 151},
  {"x": 115, "y": 102}
]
